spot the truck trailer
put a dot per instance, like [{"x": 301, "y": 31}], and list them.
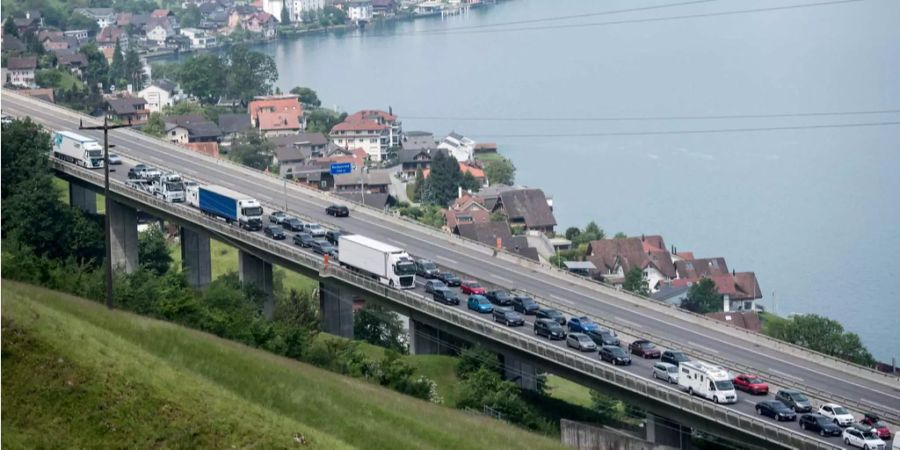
[
  {"x": 230, "y": 205},
  {"x": 77, "y": 149},
  {"x": 390, "y": 265}
]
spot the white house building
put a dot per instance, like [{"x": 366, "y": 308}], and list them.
[
  {"x": 20, "y": 71},
  {"x": 458, "y": 146},
  {"x": 104, "y": 16},
  {"x": 159, "y": 94},
  {"x": 359, "y": 10},
  {"x": 368, "y": 135},
  {"x": 274, "y": 8},
  {"x": 200, "y": 39},
  {"x": 299, "y": 7}
]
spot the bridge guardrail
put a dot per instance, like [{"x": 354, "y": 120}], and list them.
[
  {"x": 484, "y": 248},
  {"x": 739, "y": 421}
]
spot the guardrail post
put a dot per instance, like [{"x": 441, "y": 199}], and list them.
[{"x": 258, "y": 273}]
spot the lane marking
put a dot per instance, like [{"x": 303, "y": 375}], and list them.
[
  {"x": 444, "y": 258},
  {"x": 786, "y": 375},
  {"x": 562, "y": 300},
  {"x": 694, "y": 344},
  {"x": 504, "y": 280}
]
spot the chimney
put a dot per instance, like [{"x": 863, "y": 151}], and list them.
[
  {"x": 391, "y": 110},
  {"x": 642, "y": 237},
  {"x": 732, "y": 272}
]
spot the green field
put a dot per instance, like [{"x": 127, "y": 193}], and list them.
[{"x": 79, "y": 376}]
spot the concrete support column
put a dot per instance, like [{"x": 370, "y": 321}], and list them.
[
  {"x": 521, "y": 371},
  {"x": 257, "y": 272},
  {"x": 82, "y": 198},
  {"x": 336, "y": 308},
  {"x": 195, "y": 257},
  {"x": 123, "y": 236},
  {"x": 666, "y": 432},
  {"x": 427, "y": 340}
]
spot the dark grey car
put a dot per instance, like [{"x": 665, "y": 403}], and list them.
[
  {"x": 794, "y": 399},
  {"x": 508, "y": 316},
  {"x": 525, "y": 305},
  {"x": 304, "y": 239},
  {"x": 445, "y": 296}
]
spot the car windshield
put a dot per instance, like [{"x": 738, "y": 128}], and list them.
[
  {"x": 798, "y": 397},
  {"x": 822, "y": 420},
  {"x": 474, "y": 285},
  {"x": 405, "y": 268},
  {"x": 647, "y": 345},
  {"x": 553, "y": 313},
  {"x": 553, "y": 326},
  {"x": 724, "y": 385},
  {"x": 673, "y": 369},
  {"x": 276, "y": 230},
  {"x": 483, "y": 301},
  {"x": 840, "y": 410},
  {"x": 501, "y": 294},
  {"x": 584, "y": 339},
  {"x": 752, "y": 380},
  {"x": 869, "y": 435},
  {"x": 616, "y": 351},
  {"x": 253, "y": 211},
  {"x": 429, "y": 266},
  {"x": 436, "y": 284},
  {"x": 527, "y": 301}
]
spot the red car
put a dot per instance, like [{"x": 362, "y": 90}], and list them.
[
  {"x": 879, "y": 427},
  {"x": 751, "y": 383},
  {"x": 470, "y": 287},
  {"x": 644, "y": 349}
]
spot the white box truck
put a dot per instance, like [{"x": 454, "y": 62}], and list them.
[
  {"x": 706, "y": 380},
  {"x": 77, "y": 149},
  {"x": 390, "y": 265}
]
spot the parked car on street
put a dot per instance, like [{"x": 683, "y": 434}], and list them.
[
  {"x": 304, "y": 239},
  {"x": 525, "y": 305},
  {"x": 470, "y": 287},
  {"x": 445, "y": 296},
  {"x": 293, "y": 224},
  {"x": 776, "y": 410},
  {"x": 866, "y": 440},
  {"x": 426, "y": 268},
  {"x": 508, "y": 316},
  {"x": 581, "y": 342},
  {"x": 881, "y": 428},
  {"x": 673, "y": 357},
  {"x": 819, "y": 424},
  {"x": 322, "y": 247},
  {"x": 449, "y": 278},
  {"x": 603, "y": 337},
  {"x": 552, "y": 314},
  {"x": 666, "y": 372},
  {"x": 549, "y": 329},
  {"x": 582, "y": 324},
  {"x": 644, "y": 349},
  {"x": 479, "y": 303},
  {"x": 274, "y": 232},
  {"x": 277, "y": 217},
  {"x": 751, "y": 383},
  {"x": 499, "y": 297},
  {"x": 615, "y": 355},
  {"x": 838, "y": 414},
  {"x": 794, "y": 399},
  {"x": 337, "y": 211},
  {"x": 432, "y": 285}
]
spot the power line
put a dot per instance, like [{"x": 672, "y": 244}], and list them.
[
  {"x": 653, "y": 118},
  {"x": 709, "y": 131}
]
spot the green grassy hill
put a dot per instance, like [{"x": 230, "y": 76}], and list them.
[{"x": 77, "y": 375}]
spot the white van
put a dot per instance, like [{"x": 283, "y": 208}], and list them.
[{"x": 706, "y": 380}]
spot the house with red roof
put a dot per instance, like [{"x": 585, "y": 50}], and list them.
[
  {"x": 615, "y": 257},
  {"x": 369, "y": 135},
  {"x": 388, "y": 119},
  {"x": 276, "y": 115}
]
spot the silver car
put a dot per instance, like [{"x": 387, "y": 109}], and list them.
[
  {"x": 434, "y": 285},
  {"x": 581, "y": 341},
  {"x": 665, "y": 371}
]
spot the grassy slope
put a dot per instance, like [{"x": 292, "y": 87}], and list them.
[{"x": 77, "y": 375}]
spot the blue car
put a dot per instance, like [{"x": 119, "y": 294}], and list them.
[
  {"x": 582, "y": 324},
  {"x": 480, "y": 303}
]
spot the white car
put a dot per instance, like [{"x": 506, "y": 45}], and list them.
[
  {"x": 865, "y": 440},
  {"x": 838, "y": 414}
]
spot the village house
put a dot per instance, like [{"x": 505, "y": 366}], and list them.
[
  {"x": 13, "y": 45},
  {"x": 32, "y": 21},
  {"x": 459, "y": 147},
  {"x": 20, "y": 71},
  {"x": 293, "y": 151},
  {"x": 44, "y": 94},
  {"x": 748, "y": 320},
  {"x": 418, "y": 140},
  {"x": 79, "y": 35},
  {"x": 739, "y": 290},
  {"x": 368, "y": 135},
  {"x": 494, "y": 233},
  {"x": 388, "y": 119},
  {"x": 412, "y": 160},
  {"x": 191, "y": 128},
  {"x": 127, "y": 109},
  {"x": 613, "y": 258},
  {"x": 232, "y": 125},
  {"x": 104, "y": 16},
  {"x": 276, "y": 114},
  {"x": 465, "y": 209},
  {"x": 200, "y": 39},
  {"x": 298, "y": 8},
  {"x": 260, "y": 22},
  {"x": 464, "y": 168},
  {"x": 75, "y": 63},
  {"x": 159, "y": 94},
  {"x": 158, "y": 29},
  {"x": 525, "y": 208},
  {"x": 369, "y": 181},
  {"x": 359, "y": 10},
  {"x": 108, "y": 36},
  {"x": 384, "y": 8}
]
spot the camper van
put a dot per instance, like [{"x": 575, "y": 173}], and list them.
[{"x": 706, "y": 380}]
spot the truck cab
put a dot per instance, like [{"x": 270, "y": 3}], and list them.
[
  {"x": 251, "y": 213},
  {"x": 169, "y": 187}
]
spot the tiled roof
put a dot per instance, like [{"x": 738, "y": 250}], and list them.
[
  {"x": 529, "y": 205},
  {"x": 21, "y": 63},
  {"x": 358, "y": 125},
  {"x": 373, "y": 178},
  {"x": 234, "y": 123},
  {"x": 289, "y": 153},
  {"x": 71, "y": 59},
  {"x": 278, "y": 121},
  {"x": 372, "y": 114},
  {"x": 126, "y": 105},
  {"x": 208, "y": 148},
  {"x": 455, "y": 218},
  {"x": 283, "y": 104},
  {"x": 198, "y": 127},
  {"x": 628, "y": 253},
  {"x": 744, "y": 319},
  {"x": 702, "y": 267},
  {"x": 375, "y": 200}
]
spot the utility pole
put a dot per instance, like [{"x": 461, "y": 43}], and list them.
[{"x": 109, "y": 269}]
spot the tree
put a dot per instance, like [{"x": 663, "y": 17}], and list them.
[
  {"x": 419, "y": 185},
  {"x": 48, "y": 78},
  {"x": 116, "y": 71},
  {"x": 252, "y": 149},
  {"x": 9, "y": 27},
  {"x": 443, "y": 181},
  {"x": 378, "y": 326},
  {"x": 620, "y": 235},
  {"x": 572, "y": 233},
  {"x": 323, "y": 120},
  {"x": 635, "y": 282},
  {"x": 134, "y": 71},
  {"x": 307, "y": 96},
  {"x": 153, "y": 253},
  {"x": 249, "y": 74},
  {"x": 500, "y": 171},
  {"x": 155, "y": 126},
  {"x": 285, "y": 18},
  {"x": 203, "y": 76},
  {"x": 190, "y": 16},
  {"x": 164, "y": 70},
  {"x": 82, "y": 22},
  {"x": 96, "y": 73},
  {"x": 703, "y": 298},
  {"x": 473, "y": 358},
  {"x": 824, "y": 335}
]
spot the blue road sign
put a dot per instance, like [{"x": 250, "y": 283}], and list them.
[{"x": 339, "y": 168}]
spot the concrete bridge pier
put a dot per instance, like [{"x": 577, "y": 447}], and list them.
[
  {"x": 123, "y": 236},
  {"x": 336, "y": 308},
  {"x": 82, "y": 198},
  {"x": 667, "y": 432},
  {"x": 425, "y": 339},
  {"x": 195, "y": 257},
  {"x": 521, "y": 371},
  {"x": 257, "y": 272}
]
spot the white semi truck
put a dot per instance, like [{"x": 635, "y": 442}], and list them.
[
  {"x": 77, "y": 149},
  {"x": 390, "y": 265},
  {"x": 169, "y": 187},
  {"x": 706, "y": 380}
]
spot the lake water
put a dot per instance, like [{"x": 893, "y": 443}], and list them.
[{"x": 812, "y": 211}]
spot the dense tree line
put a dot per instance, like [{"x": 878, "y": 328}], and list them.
[
  {"x": 443, "y": 182},
  {"x": 239, "y": 74}
]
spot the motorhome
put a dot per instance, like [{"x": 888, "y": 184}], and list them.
[{"x": 706, "y": 380}]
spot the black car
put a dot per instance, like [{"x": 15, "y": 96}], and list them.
[
  {"x": 293, "y": 224},
  {"x": 322, "y": 247},
  {"x": 552, "y": 314},
  {"x": 277, "y": 217},
  {"x": 135, "y": 172},
  {"x": 499, "y": 297},
  {"x": 776, "y": 410},
  {"x": 673, "y": 357},
  {"x": 525, "y": 305},
  {"x": 615, "y": 355},
  {"x": 820, "y": 424},
  {"x": 333, "y": 236},
  {"x": 274, "y": 231},
  {"x": 445, "y": 296},
  {"x": 337, "y": 211},
  {"x": 449, "y": 278},
  {"x": 426, "y": 268},
  {"x": 304, "y": 239},
  {"x": 508, "y": 316},
  {"x": 603, "y": 337},
  {"x": 549, "y": 329}
]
